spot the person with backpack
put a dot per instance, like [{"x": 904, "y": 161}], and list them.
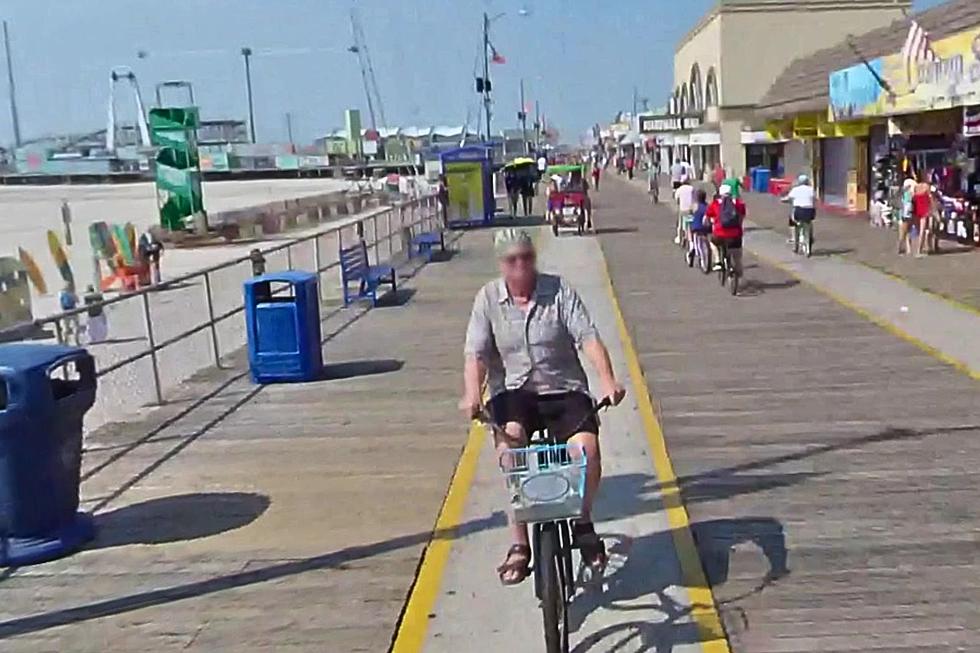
[{"x": 726, "y": 214}]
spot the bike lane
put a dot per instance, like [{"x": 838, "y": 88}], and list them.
[
  {"x": 825, "y": 441},
  {"x": 653, "y": 595}
]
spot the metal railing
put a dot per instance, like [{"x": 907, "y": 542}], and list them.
[{"x": 382, "y": 230}]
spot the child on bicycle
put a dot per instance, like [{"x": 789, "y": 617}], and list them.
[{"x": 699, "y": 230}]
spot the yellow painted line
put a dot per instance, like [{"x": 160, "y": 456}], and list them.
[
  {"x": 891, "y": 328},
  {"x": 711, "y": 633},
  {"x": 410, "y": 637}
]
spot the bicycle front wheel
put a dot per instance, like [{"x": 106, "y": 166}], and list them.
[{"x": 551, "y": 591}]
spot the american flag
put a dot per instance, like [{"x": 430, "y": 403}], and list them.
[{"x": 918, "y": 49}]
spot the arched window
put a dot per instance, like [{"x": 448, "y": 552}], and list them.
[
  {"x": 684, "y": 106},
  {"x": 711, "y": 89},
  {"x": 696, "y": 92}
]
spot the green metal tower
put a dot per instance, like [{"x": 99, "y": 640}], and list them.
[{"x": 173, "y": 130}]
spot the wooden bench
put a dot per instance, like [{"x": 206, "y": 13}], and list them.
[
  {"x": 356, "y": 268},
  {"x": 423, "y": 243}
]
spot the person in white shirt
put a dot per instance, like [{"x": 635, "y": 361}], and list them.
[
  {"x": 803, "y": 198},
  {"x": 684, "y": 196}
]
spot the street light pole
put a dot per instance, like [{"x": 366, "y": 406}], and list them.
[
  {"x": 537, "y": 125},
  {"x": 10, "y": 84},
  {"x": 523, "y": 119},
  {"x": 486, "y": 71},
  {"x": 247, "y": 54}
]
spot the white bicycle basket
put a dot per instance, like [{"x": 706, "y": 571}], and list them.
[{"x": 546, "y": 483}]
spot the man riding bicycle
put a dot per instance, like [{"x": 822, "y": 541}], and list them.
[{"x": 524, "y": 335}]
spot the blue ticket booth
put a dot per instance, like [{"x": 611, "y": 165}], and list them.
[
  {"x": 45, "y": 391},
  {"x": 282, "y": 319},
  {"x": 469, "y": 178}
]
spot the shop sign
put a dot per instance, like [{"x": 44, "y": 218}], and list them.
[
  {"x": 655, "y": 124},
  {"x": 941, "y": 74},
  {"x": 707, "y": 138},
  {"x": 971, "y": 121},
  {"x": 807, "y": 126}
]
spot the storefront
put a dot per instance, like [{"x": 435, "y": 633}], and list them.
[
  {"x": 763, "y": 151},
  {"x": 931, "y": 127},
  {"x": 677, "y": 140}
]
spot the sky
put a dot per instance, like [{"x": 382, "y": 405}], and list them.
[{"x": 581, "y": 59}]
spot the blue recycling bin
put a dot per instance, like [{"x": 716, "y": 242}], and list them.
[
  {"x": 282, "y": 316},
  {"x": 763, "y": 175},
  {"x": 45, "y": 391}
]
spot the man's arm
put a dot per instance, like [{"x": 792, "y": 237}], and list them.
[
  {"x": 479, "y": 342},
  {"x": 595, "y": 350}
]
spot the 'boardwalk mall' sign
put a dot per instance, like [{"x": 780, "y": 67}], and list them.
[
  {"x": 659, "y": 124},
  {"x": 925, "y": 76}
]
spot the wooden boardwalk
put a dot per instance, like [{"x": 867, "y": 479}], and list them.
[
  {"x": 286, "y": 517},
  {"x": 830, "y": 468}
]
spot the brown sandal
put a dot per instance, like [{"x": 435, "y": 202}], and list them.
[{"x": 517, "y": 562}]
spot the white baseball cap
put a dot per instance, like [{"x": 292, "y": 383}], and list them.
[{"x": 725, "y": 190}]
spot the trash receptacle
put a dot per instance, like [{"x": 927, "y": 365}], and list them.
[
  {"x": 764, "y": 175},
  {"x": 282, "y": 319},
  {"x": 45, "y": 391}
]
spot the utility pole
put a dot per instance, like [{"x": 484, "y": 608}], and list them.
[
  {"x": 486, "y": 71},
  {"x": 247, "y": 54},
  {"x": 289, "y": 130},
  {"x": 537, "y": 125},
  {"x": 523, "y": 116},
  {"x": 635, "y": 102},
  {"x": 10, "y": 84}
]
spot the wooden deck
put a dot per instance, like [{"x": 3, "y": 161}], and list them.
[
  {"x": 810, "y": 440},
  {"x": 285, "y": 517}
]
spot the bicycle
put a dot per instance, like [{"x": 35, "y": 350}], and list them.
[
  {"x": 546, "y": 481},
  {"x": 803, "y": 237},
  {"x": 727, "y": 273},
  {"x": 702, "y": 252}
]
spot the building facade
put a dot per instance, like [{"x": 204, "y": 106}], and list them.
[{"x": 729, "y": 60}]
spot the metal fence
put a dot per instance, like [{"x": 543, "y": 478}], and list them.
[{"x": 165, "y": 333}]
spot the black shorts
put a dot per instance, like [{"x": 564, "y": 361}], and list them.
[
  {"x": 676, "y": 184},
  {"x": 730, "y": 243},
  {"x": 562, "y": 414},
  {"x": 801, "y": 214}
]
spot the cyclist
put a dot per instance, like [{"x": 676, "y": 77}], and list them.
[
  {"x": 726, "y": 215},
  {"x": 803, "y": 198},
  {"x": 684, "y": 196},
  {"x": 524, "y": 335},
  {"x": 700, "y": 229}
]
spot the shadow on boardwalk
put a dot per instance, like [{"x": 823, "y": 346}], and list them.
[{"x": 331, "y": 560}]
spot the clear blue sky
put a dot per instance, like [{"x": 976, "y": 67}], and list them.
[{"x": 581, "y": 58}]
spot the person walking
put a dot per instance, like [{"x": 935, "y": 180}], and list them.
[
  {"x": 922, "y": 208},
  {"x": 151, "y": 251},
  {"x": 97, "y": 325},
  {"x": 511, "y": 184},
  {"x": 653, "y": 183},
  {"x": 906, "y": 219},
  {"x": 596, "y": 173}
]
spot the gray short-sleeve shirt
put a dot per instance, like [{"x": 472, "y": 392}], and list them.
[{"x": 535, "y": 349}]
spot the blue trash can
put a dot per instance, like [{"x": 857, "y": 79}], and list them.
[
  {"x": 764, "y": 175},
  {"x": 282, "y": 317},
  {"x": 45, "y": 391}
]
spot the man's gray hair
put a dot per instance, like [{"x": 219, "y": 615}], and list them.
[{"x": 508, "y": 239}]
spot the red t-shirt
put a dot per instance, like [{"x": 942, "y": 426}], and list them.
[{"x": 714, "y": 214}]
